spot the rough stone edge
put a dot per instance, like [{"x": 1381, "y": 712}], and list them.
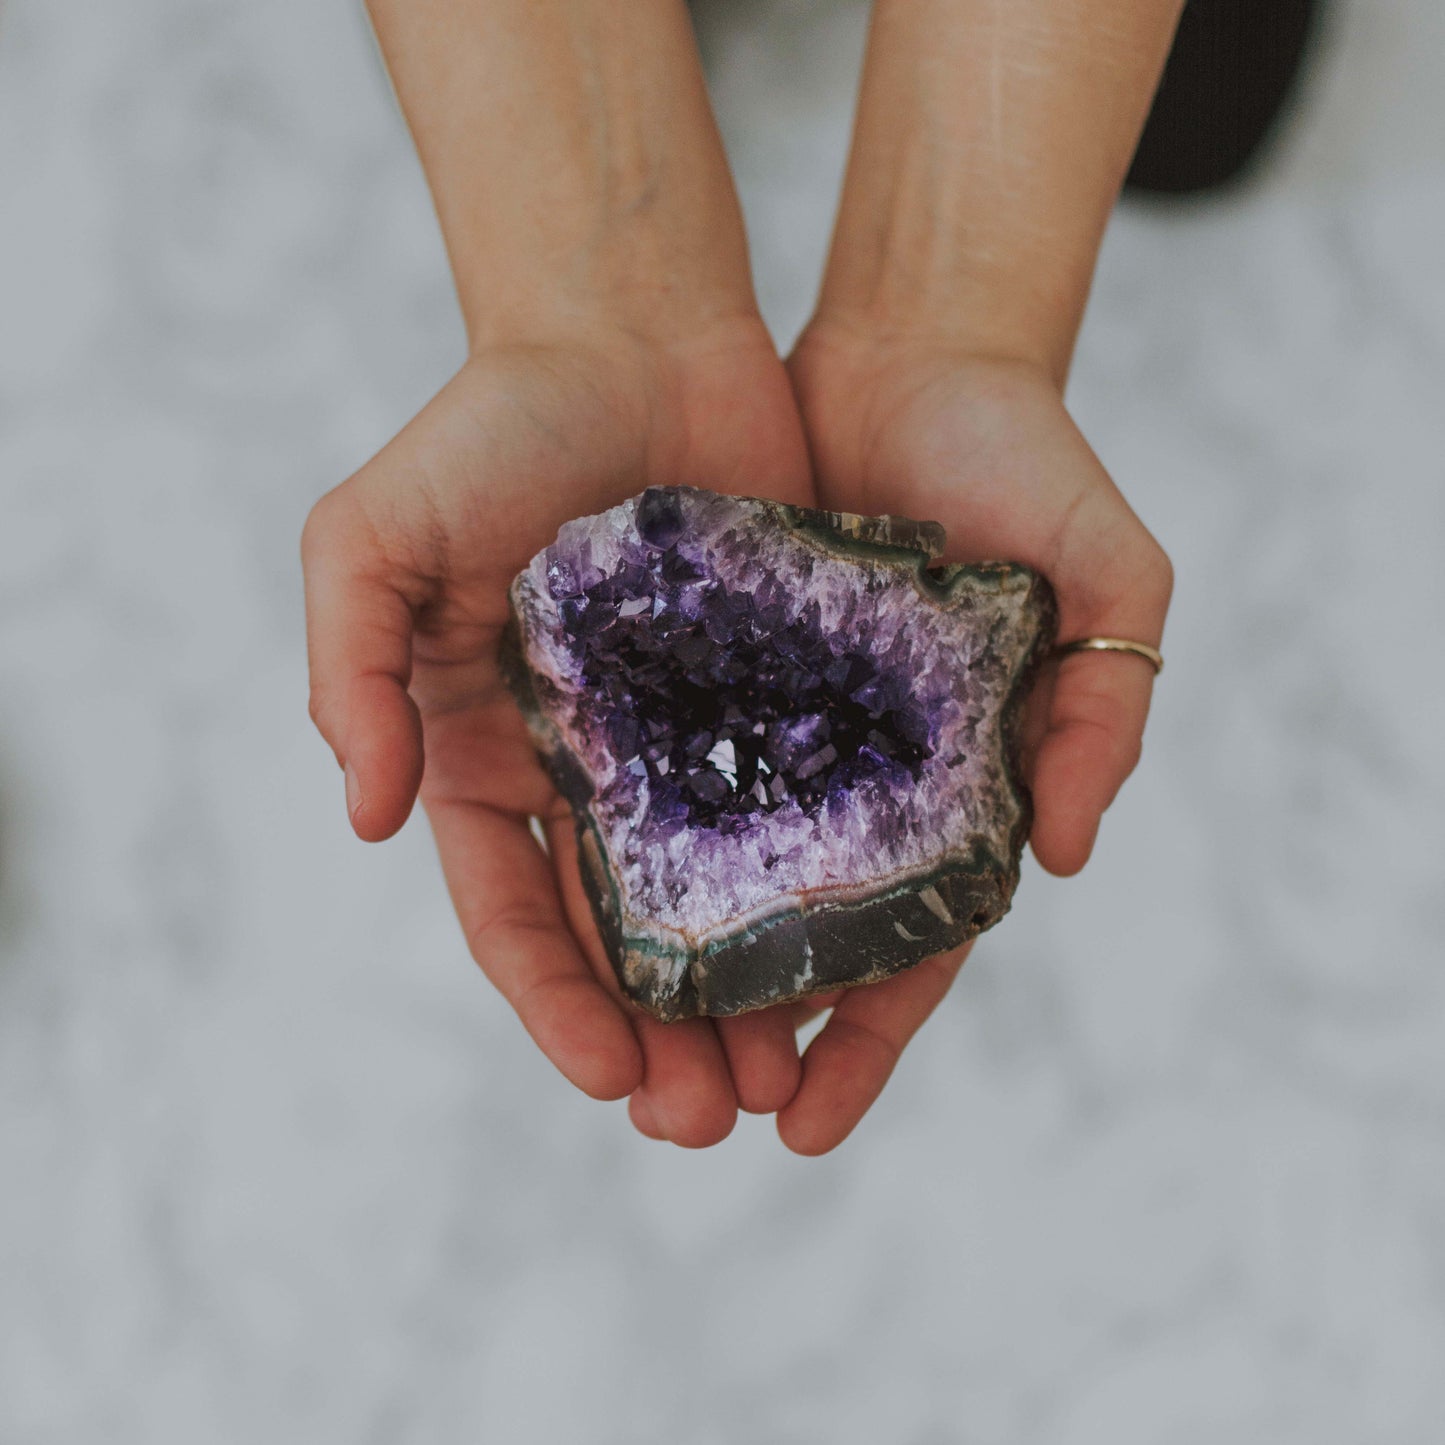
[{"x": 839, "y": 937}]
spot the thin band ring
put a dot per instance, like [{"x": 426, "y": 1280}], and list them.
[{"x": 1151, "y": 655}]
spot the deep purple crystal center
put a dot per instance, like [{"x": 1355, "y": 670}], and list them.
[{"x": 726, "y": 706}]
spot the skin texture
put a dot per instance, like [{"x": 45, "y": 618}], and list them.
[
  {"x": 990, "y": 144},
  {"x": 615, "y": 343},
  {"x": 408, "y": 564}
]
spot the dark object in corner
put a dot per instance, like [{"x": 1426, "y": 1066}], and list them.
[{"x": 1231, "y": 75}]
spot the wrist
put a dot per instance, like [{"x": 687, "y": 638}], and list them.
[
  {"x": 910, "y": 270},
  {"x": 989, "y": 146},
  {"x": 958, "y": 325},
  {"x": 658, "y": 280},
  {"x": 844, "y": 347},
  {"x": 637, "y": 313},
  {"x": 573, "y": 158}
]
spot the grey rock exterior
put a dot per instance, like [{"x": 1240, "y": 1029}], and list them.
[{"x": 821, "y": 783}]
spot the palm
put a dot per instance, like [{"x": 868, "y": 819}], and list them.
[
  {"x": 419, "y": 549},
  {"x": 988, "y": 449},
  {"x": 408, "y": 565},
  {"x": 515, "y": 448}
]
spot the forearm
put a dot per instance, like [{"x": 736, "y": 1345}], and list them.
[
  {"x": 991, "y": 141},
  {"x": 572, "y": 156}
]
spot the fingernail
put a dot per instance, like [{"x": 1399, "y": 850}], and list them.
[{"x": 353, "y": 794}]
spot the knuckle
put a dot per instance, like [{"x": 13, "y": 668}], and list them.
[
  {"x": 513, "y": 928},
  {"x": 1131, "y": 749},
  {"x": 864, "y": 1038},
  {"x": 1157, "y": 574},
  {"x": 316, "y": 530},
  {"x": 323, "y": 719}
]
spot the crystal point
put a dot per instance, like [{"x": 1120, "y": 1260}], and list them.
[{"x": 789, "y": 738}]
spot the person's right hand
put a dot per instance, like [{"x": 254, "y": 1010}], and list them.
[{"x": 407, "y": 568}]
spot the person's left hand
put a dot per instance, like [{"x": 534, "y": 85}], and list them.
[{"x": 985, "y": 446}]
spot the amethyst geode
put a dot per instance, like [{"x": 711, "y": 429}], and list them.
[{"x": 788, "y": 736}]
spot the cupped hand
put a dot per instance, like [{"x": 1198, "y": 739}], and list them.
[
  {"x": 913, "y": 426},
  {"x": 407, "y": 567}
]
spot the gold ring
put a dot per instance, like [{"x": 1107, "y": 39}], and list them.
[{"x": 1151, "y": 655}]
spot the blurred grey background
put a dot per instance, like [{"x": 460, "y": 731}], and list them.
[{"x": 276, "y": 1164}]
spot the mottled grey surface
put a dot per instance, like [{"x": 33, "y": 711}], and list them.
[{"x": 276, "y": 1165}]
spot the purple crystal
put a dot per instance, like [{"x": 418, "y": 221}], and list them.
[{"x": 788, "y": 739}]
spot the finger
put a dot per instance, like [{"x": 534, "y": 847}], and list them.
[
  {"x": 1096, "y": 717},
  {"x": 804, "y": 1012},
  {"x": 762, "y": 1057},
  {"x": 643, "y": 1120},
  {"x": 847, "y": 1065},
  {"x": 503, "y": 891},
  {"x": 808, "y": 1012},
  {"x": 1110, "y": 583},
  {"x": 358, "y": 639},
  {"x": 686, "y": 1086}
]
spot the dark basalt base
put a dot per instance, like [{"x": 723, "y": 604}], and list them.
[{"x": 789, "y": 741}]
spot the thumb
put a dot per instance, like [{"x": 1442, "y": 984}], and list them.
[{"x": 358, "y": 640}]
